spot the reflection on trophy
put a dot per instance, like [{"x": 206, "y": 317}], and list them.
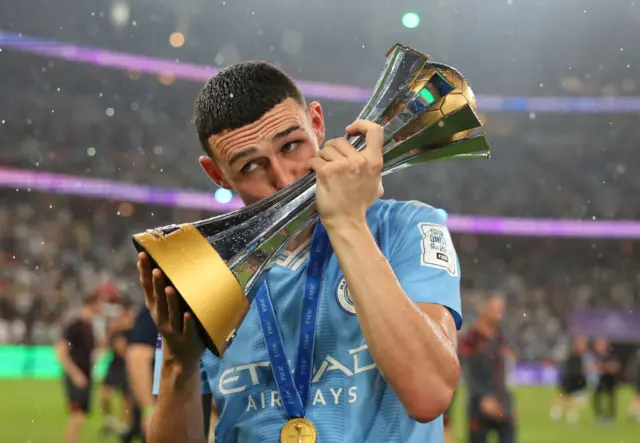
[{"x": 217, "y": 265}]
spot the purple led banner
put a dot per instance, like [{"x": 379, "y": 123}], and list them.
[
  {"x": 190, "y": 71},
  {"x": 615, "y": 325},
  {"x": 100, "y": 188}
]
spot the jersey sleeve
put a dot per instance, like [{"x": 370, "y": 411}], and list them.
[
  {"x": 423, "y": 257},
  {"x": 157, "y": 372}
]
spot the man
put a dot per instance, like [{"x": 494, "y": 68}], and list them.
[
  {"x": 484, "y": 353},
  {"x": 389, "y": 293},
  {"x": 634, "y": 376},
  {"x": 608, "y": 368},
  {"x": 74, "y": 351},
  {"x": 573, "y": 382},
  {"x": 139, "y": 357},
  {"x": 118, "y": 329}
]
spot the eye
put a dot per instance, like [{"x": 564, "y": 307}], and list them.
[
  {"x": 288, "y": 147},
  {"x": 249, "y": 167}
]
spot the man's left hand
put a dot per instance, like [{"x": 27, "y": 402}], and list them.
[{"x": 348, "y": 181}]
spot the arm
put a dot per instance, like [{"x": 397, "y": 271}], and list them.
[
  {"x": 120, "y": 346},
  {"x": 139, "y": 358},
  {"x": 203, "y": 416},
  {"x": 413, "y": 344},
  {"x": 402, "y": 310},
  {"x": 178, "y": 415},
  {"x": 68, "y": 366}
]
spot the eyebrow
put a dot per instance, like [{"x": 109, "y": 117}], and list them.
[
  {"x": 286, "y": 132},
  {"x": 252, "y": 150}
]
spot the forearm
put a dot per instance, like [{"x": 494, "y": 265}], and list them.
[
  {"x": 68, "y": 366},
  {"x": 414, "y": 353},
  {"x": 178, "y": 415},
  {"x": 141, "y": 383}
]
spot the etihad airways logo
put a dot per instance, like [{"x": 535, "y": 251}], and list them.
[{"x": 240, "y": 378}]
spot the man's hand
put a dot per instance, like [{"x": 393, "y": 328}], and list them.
[
  {"x": 181, "y": 341},
  {"x": 79, "y": 380},
  {"x": 348, "y": 181},
  {"x": 490, "y": 407}
]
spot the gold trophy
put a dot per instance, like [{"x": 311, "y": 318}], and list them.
[{"x": 428, "y": 113}]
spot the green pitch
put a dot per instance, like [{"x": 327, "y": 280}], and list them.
[{"x": 33, "y": 411}]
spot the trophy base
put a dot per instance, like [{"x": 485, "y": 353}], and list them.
[{"x": 207, "y": 287}]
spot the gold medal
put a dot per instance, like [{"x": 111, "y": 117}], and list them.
[{"x": 298, "y": 430}]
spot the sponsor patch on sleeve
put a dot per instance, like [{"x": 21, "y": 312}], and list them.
[{"x": 437, "y": 248}]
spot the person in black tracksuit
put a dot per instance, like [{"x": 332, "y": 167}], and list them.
[
  {"x": 572, "y": 382},
  {"x": 608, "y": 368},
  {"x": 75, "y": 354},
  {"x": 484, "y": 353}
]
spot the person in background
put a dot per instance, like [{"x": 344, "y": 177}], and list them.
[
  {"x": 483, "y": 353},
  {"x": 633, "y": 370},
  {"x": 573, "y": 382},
  {"x": 118, "y": 330},
  {"x": 139, "y": 357},
  {"x": 75, "y": 353},
  {"x": 608, "y": 368}
]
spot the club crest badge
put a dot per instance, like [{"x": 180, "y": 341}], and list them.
[{"x": 344, "y": 298}]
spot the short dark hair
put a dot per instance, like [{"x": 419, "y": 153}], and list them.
[{"x": 239, "y": 95}]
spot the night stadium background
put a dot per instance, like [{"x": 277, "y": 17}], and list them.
[{"x": 97, "y": 143}]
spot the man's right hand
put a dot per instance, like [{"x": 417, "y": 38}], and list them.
[
  {"x": 180, "y": 338},
  {"x": 79, "y": 380},
  {"x": 490, "y": 407}
]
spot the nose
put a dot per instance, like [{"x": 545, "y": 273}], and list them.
[{"x": 281, "y": 175}]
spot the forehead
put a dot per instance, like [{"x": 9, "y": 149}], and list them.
[{"x": 281, "y": 117}]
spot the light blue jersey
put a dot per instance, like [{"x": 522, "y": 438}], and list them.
[{"x": 349, "y": 401}]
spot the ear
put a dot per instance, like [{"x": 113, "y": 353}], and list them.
[
  {"x": 212, "y": 170},
  {"x": 317, "y": 121}
]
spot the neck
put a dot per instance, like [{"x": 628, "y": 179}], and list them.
[
  {"x": 86, "y": 314},
  {"x": 300, "y": 238}
]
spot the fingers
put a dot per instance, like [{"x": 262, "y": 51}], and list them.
[
  {"x": 189, "y": 326},
  {"x": 330, "y": 153},
  {"x": 374, "y": 137},
  {"x": 341, "y": 148},
  {"x": 316, "y": 163},
  {"x": 160, "y": 302},
  {"x": 174, "y": 311},
  {"x": 144, "y": 269}
]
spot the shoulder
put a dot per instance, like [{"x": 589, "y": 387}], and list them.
[
  {"x": 393, "y": 212},
  {"x": 71, "y": 323}
]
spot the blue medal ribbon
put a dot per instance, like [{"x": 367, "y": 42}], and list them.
[{"x": 294, "y": 389}]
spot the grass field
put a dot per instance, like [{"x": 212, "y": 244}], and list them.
[{"x": 33, "y": 411}]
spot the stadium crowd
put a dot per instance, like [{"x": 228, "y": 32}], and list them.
[{"x": 57, "y": 249}]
